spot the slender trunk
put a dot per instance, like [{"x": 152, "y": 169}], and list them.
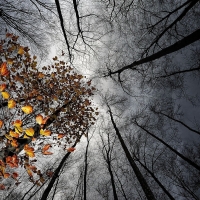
[
  {"x": 193, "y": 37},
  {"x": 149, "y": 194},
  {"x": 85, "y": 172},
  {"x": 179, "y": 18},
  {"x": 156, "y": 180},
  {"x": 55, "y": 176},
  {"x": 172, "y": 149},
  {"x": 112, "y": 181},
  {"x": 180, "y": 122},
  {"x": 180, "y": 72}
]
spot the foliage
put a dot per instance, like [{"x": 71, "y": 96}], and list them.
[{"x": 37, "y": 103}]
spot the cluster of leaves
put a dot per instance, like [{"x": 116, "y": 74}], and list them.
[{"x": 27, "y": 95}]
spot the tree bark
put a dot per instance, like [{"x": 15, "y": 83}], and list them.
[
  {"x": 172, "y": 149},
  {"x": 55, "y": 176},
  {"x": 149, "y": 194},
  {"x": 193, "y": 37}
]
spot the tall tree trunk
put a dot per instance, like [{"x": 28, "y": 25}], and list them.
[
  {"x": 149, "y": 194},
  {"x": 193, "y": 37},
  {"x": 55, "y": 175},
  {"x": 172, "y": 149},
  {"x": 155, "y": 178},
  {"x": 85, "y": 172},
  {"x": 180, "y": 122},
  {"x": 112, "y": 180}
]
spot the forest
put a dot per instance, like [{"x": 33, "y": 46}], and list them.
[{"x": 99, "y": 100}]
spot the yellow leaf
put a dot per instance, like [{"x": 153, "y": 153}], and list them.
[
  {"x": 11, "y": 103},
  {"x": 29, "y": 132},
  {"x": 45, "y": 132},
  {"x": 27, "y": 109},
  {"x": 5, "y": 95},
  {"x": 18, "y": 129},
  {"x": 21, "y": 50},
  {"x": 26, "y": 136},
  {"x": 30, "y": 154},
  {"x": 8, "y": 137},
  {"x": 10, "y": 61}
]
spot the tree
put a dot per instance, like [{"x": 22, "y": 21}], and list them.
[{"x": 59, "y": 95}]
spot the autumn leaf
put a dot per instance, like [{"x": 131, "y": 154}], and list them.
[
  {"x": 5, "y": 95},
  {"x": 10, "y": 61},
  {"x": 12, "y": 161},
  {"x": 40, "y": 75},
  {"x": 2, "y": 87},
  {"x": 29, "y": 172},
  {"x": 46, "y": 147},
  {"x": 61, "y": 135},
  {"x": 18, "y": 129},
  {"x": 4, "y": 70},
  {"x": 1, "y": 123},
  {"x": 29, "y": 151},
  {"x": 27, "y": 109},
  {"x": 71, "y": 149},
  {"x": 14, "y": 143},
  {"x": 2, "y": 187},
  {"x": 17, "y": 123},
  {"x": 11, "y": 103},
  {"x": 29, "y": 132},
  {"x": 15, "y": 175},
  {"x": 45, "y": 132},
  {"x": 47, "y": 153},
  {"x": 21, "y": 50},
  {"x": 6, "y": 175},
  {"x": 14, "y": 134},
  {"x": 49, "y": 173}
]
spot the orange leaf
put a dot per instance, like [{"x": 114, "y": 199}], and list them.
[
  {"x": 17, "y": 123},
  {"x": 6, "y": 175},
  {"x": 29, "y": 151},
  {"x": 45, "y": 132},
  {"x": 14, "y": 134},
  {"x": 29, "y": 172},
  {"x": 2, "y": 87},
  {"x": 14, "y": 143},
  {"x": 11, "y": 103},
  {"x": 71, "y": 149},
  {"x": 1, "y": 123},
  {"x": 15, "y": 175},
  {"x": 39, "y": 119},
  {"x": 12, "y": 161},
  {"x": 40, "y": 75},
  {"x": 61, "y": 135},
  {"x": 2, "y": 187},
  {"x": 47, "y": 153},
  {"x": 46, "y": 147},
  {"x": 27, "y": 109},
  {"x": 4, "y": 69}
]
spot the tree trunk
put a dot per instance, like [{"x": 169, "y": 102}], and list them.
[
  {"x": 172, "y": 149},
  {"x": 55, "y": 176},
  {"x": 193, "y": 37},
  {"x": 149, "y": 194}
]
